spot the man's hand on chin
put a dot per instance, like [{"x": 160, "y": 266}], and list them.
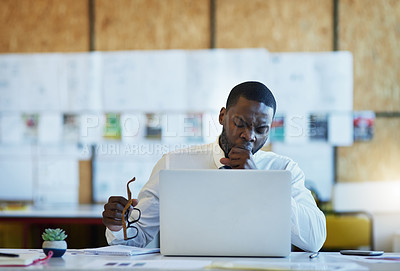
[{"x": 239, "y": 158}]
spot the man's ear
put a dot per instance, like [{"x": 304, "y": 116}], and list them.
[{"x": 222, "y": 113}]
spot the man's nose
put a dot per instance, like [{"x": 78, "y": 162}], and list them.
[{"x": 249, "y": 135}]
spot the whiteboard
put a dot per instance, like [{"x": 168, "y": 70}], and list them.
[{"x": 171, "y": 83}]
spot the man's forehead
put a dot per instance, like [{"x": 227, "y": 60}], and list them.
[
  {"x": 252, "y": 109},
  {"x": 256, "y": 119},
  {"x": 246, "y": 104}
]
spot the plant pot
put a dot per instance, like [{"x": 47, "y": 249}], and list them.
[{"x": 58, "y": 247}]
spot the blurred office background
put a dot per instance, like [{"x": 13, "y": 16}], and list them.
[{"x": 360, "y": 174}]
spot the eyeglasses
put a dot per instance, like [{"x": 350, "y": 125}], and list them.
[{"x": 126, "y": 223}]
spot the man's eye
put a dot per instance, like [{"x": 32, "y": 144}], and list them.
[
  {"x": 262, "y": 130},
  {"x": 238, "y": 123}
]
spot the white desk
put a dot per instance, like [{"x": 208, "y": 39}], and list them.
[{"x": 76, "y": 260}]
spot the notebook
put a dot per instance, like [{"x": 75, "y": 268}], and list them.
[
  {"x": 23, "y": 259},
  {"x": 225, "y": 212},
  {"x": 120, "y": 250}
]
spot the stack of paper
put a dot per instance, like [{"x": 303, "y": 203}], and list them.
[{"x": 120, "y": 250}]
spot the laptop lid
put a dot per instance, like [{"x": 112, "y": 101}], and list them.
[{"x": 225, "y": 212}]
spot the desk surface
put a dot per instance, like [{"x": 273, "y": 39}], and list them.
[{"x": 77, "y": 260}]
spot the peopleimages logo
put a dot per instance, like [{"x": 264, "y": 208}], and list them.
[
  {"x": 134, "y": 128},
  {"x": 136, "y": 125},
  {"x": 146, "y": 149}
]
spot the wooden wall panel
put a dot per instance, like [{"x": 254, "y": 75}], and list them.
[
  {"x": 370, "y": 29},
  {"x": 376, "y": 160},
  {"x": 44, "y": 26},
  {"x": 278, "y": 25},
  {"x": 85, "y": 182},
  {"x": 152, "y": 24}
]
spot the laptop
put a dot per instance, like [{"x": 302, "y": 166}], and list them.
[{"x": 206, "y": 212}]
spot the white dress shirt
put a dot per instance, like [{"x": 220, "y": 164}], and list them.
[{"x": 308, "y": 225}]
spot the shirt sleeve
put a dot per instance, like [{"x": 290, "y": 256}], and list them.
[
  {"x": 148, "y": 225},
  {"x": 308, "y": 221}
]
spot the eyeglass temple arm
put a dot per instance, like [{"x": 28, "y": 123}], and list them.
[
  {"x": 123, "y": 218},
  {"x": 127, "y": 188},
  {"x": 126, "y": 208}
]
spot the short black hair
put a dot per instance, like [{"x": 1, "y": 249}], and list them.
[{"x": 254, "y": 91}]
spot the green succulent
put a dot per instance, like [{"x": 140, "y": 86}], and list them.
[{"x": 54, "y": 235}]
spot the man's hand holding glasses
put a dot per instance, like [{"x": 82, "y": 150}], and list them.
[{"x": 116, "y": 214}]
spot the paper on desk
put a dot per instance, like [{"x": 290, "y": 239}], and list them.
[
  {"x": 274, "y": 266},
  {"x": 120, "y": 250},
  {"x": 381, "y": 259},
  {"x": 150, "y": 264}
]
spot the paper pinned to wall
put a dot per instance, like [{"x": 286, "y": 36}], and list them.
[
  {"x": 10, "y": 82},
  {"x": 50, "y": 128},
  {"x": 211, "y": 74},
  {"x": 29, "y": 82},
  {"x": 57, "y": 175},
  {"x": 39, "y": 86},
  {"x": 17, "y": 170},
  {"x": 296, "y": 128},
  {"x": 316, "y": 161},
  {"x": 71, "y": 128},
  {"x": 163, "y": 73},
  {"x": 11, "y": 128},
  {"x": 173, "y": 128},
  {"x": 131, "y": 79},
  {"x": 200, "y": 78},
  {"x": 312, "y": 81},
  {"x": 211, "y": 127},
  {"x": 133, "y": 127},
  {"x": 294, "y": 82},
  {"x": 335, "y": 80},
  {"x": 79, "y": 82},
  {"x": 119, "y": 74},
  {"x": 232, "y": 67},
  {"x": 341, "y": 128},
  {"x": 91, "y": 128},
  {"x": 116, "y": 164}
]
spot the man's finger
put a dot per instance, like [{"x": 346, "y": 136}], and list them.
[
  {"x": 112, "y": 224},
  {"x": 115, "y": 207},
  {"x": 112, "y": 214},
  {"x": 111, "y": 221},
  {"x": 114, "y": 228},
  {"x": 236, "y": 164},
  {"x": 118, "y": 199},
  {"x": 134, "y": 202},
  {"x": 225, "y": 161}
]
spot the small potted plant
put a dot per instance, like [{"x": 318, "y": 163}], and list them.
[{"x": 54, "y": 240}]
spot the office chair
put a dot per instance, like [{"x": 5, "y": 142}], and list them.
[{"x": 348, "y": 230}]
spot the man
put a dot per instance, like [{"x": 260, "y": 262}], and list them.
[{"x": 246, "y": 123}]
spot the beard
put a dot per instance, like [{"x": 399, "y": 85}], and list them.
[
  {"x": 224, "y": 143},
  {"x": 226, "y": 146}
]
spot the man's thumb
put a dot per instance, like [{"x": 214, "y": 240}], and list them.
[{"x": 225, "y": 161}]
